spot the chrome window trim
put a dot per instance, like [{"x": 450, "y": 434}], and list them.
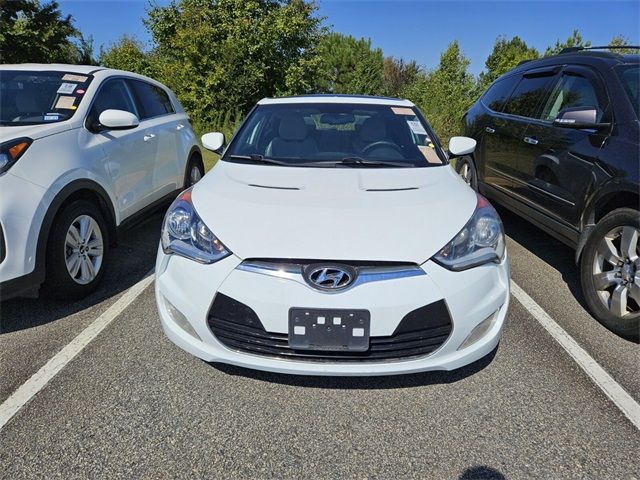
[{"x": 365, "y": 274}]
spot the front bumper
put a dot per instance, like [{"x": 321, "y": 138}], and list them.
[
  {"x": 185, "y": 292},
  {"x": 22, "y": 209}
]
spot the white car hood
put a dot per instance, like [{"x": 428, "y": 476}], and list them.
[
  {"x": 33, "y": 131},
  {"x": 404, "y": 215}
]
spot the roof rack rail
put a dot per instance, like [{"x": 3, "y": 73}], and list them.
[
  {"x": 522, "y": 62},
  {"x": 604, "y": 47}
]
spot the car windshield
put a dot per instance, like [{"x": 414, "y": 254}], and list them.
[
  {"x": 630, "y": 76},
  {"x": 31, "y": 98},
  {"x": 335, "y": 134}
]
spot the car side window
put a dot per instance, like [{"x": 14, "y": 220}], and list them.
[
  {"x": 113, "y": 94},
  {"x": 526, "y": 97},
  {"x": 153, "y": 100},
  {"x": 495, "y": 97},
  {"x": 571, "y": 91}
]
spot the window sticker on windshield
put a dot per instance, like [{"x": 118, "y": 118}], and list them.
[
  {"x": 74, "y": 78},
  {"x": 65, "y": 102},
  {"x": 67, "y": 88},
  {"x": 430, "y": 155},
  {"x": 416, "y": 127},
  {"x": 51, "y": 116},
  {"x": 402, "y": 111}
]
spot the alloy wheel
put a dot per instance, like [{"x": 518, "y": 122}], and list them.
[
  {"x": 84, "y": 249},
  {"x": 616, "y": 271},
  {"x": 194, "y": 175},
  {"x": 465, "y": 173}
]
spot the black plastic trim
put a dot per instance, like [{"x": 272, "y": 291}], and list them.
[{"x": 420, "y": 333}]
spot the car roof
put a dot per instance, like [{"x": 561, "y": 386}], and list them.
[
  {"x": 596, "y": 58},
  {"x": 336, "y": 98},
  {"x": 43, "y": 67}
]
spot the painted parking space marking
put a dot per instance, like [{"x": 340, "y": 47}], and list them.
[
  {"x": 37, "y": 382},
  {"x": 612, "y": 389}
]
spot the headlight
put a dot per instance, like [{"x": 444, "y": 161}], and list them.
[
  {"x": 480, "y": 241},
  {"x": 185, "y": 234},
  {"x": 11, "y": 151}
]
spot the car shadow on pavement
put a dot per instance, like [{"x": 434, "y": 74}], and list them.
[
  {"x": 544, "y": 246},
  {"x": 133, "y": 258},
  {"x": 481, "y": 472},
  {"x": 362, "y": 383}
]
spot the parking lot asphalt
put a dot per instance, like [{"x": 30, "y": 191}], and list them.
[{"x": 131, "y": 405}]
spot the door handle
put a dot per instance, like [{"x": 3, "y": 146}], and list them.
[
  {"x": 489, "y": 130},
  {"x": 148, "y": 137},
  {"x": 531, "y": 140},
  {"x": 180, "y": 126}
]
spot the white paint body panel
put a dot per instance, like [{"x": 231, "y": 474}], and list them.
[
  {"x": 132, "y": 175},
  {"x": 335, "y": 213}
]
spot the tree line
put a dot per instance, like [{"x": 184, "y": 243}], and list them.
[{"x": 221, "y": 56}]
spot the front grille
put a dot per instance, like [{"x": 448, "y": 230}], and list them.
[{"x": 419, "y": 333}]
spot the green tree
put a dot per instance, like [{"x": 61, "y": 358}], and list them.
[
  {"x": 349, "y": 65},
  {"x": 445, "y": 94},
  {"x": 506, "y": 54},
  {"x": 31, "y": 32},
  {"x": 128, "y": 54},
  {"x": 398, "y": 75},
  {"x": 622, "y": 41},
  {"x": 224, "y": 55},
  {"x": 574, "y": 40}
]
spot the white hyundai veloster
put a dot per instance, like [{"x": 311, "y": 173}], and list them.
[{"x": 333, "y": 238}]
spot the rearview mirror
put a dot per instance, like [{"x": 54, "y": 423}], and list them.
[
  {"x": 459, "y": 146},
  {"x": 578, "y": 117},
  {"x": 213, "y": 141},
  {"x": 118, "y": 120}
]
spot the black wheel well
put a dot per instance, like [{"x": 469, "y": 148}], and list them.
[{"x": 613, "y": 201}]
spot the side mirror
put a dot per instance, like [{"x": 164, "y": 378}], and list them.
[
  {"x": 118, "y": 120},
  {"x": 459, "y": 146},
  {"x": 213, "y": 141},
  {"x": 579, "y": 117}
]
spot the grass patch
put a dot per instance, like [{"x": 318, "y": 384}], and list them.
[{"x": 209, "y": 158}]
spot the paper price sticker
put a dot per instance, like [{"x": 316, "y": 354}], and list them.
[
  {"x": 416, "y": 127},
  {"x": 74, "y": 78},
  {"x": 67, "y": 88},
  {"x": 403, "y": 111},
  {"x": 66, "y": 102}
]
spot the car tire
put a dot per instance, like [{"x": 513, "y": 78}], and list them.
[
  {"x": 195, "y": 171},
  {"x": 466, "y": 168},
  {"x": 610, "y": 272},
  {"x": 77, "y": 251}
]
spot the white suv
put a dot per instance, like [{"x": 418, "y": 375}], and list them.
[{"x": 84, "y": 151}]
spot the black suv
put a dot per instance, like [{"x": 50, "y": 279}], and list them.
[{"x": 558, "y": 143}]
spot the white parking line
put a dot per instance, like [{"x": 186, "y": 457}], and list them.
[
  {"x": 600, "y": 377},
  {"x": 39, "y": 379}
]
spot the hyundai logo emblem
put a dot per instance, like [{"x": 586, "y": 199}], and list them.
[{"x": 329, "y": 277}]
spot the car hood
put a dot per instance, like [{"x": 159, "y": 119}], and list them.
[
  {"x": 403, "y": 215},
  {"x": 33, "y": 131}
]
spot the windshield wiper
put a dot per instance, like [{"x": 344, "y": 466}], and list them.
[
  {"x": 255, "y": 157},
  {"x": 361, "y": 162}
]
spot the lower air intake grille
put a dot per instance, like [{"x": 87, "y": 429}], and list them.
[{"x": 419, "y": 333}]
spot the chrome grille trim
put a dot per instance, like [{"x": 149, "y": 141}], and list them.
[{"x": 365, "y": 274}]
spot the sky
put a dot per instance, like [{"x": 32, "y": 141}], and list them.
[{"x": 413, "y": 30}]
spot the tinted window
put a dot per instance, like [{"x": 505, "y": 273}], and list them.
[
  {"x": 30, "y": 98},
  {"x": 325, "y": 134},
  {"x": 571, "y": 91},
  {"x": 498, "y": 93},
  {"x": 113, "y": 95},
  {"x": 630, "y": 76},
  {"x": 527, "y": 96},
  {"x": 153, "y": 100}
]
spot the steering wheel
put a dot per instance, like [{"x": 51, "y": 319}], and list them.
[{"x": 382, "y": 143}]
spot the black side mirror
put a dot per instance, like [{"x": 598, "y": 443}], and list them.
[{"x": 579, "y": 117}]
